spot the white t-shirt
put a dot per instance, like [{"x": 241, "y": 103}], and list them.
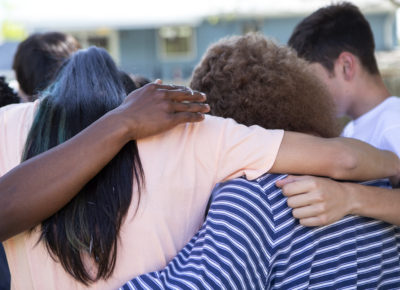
[{"x": 379, "y": 127}]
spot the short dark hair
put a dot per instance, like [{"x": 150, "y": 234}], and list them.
[
  {"x": 256, "y": 82},
  {"x": 329, "y": 31},
  {"x": 39, "y": 57}
]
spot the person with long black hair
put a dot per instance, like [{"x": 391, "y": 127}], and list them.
[{"x": 114, "y": 229}]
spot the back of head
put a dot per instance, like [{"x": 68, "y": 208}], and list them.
[
  {"x": 39, "y": 57},
  {"x": 7, "y": 95},
  {"x": 256, "y": 82},
  {"x": 329, "y": 31},
  {"x": 87, "y": 86}
]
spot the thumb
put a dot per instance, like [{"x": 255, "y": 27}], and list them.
[{"x": 158, "y": 82}]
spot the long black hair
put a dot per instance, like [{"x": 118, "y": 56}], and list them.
[{"x": 87, "y": 86}]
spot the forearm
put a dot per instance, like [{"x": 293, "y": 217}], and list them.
[
  {"x": 338, "y": 158},
  {"x": 366, "y": 162},
  {"x": 374, "y": 202},
  {"x": 59, "y": 174}
]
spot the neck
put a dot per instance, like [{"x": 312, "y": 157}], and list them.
[{"x": 369, "y": 92}]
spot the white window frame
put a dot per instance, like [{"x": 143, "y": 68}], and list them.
[{"x": 177, "y": 56}]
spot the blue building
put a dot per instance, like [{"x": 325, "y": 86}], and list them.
[
  {"x": 173, "y": 52},
  {"x": 171, "y": 49}
]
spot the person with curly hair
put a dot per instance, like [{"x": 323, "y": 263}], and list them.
[
  {"x": 250, "y": 239},
  {"x": 255, "y": 81}
]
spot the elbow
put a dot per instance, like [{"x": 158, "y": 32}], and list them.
[{"x": 345, "y": 162}]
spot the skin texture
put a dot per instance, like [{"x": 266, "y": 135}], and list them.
[{"x": 145, "y": 112}]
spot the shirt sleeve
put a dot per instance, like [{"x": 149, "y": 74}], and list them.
[
  {"x": 239, "y": 150},
  {"x": 390, "y": 140}
]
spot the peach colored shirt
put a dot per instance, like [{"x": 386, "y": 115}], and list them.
[{"x": 181, "y": 167}]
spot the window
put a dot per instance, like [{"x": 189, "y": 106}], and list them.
[
  {"x": 251, "y": 26},
  {"x": 104, "y": 38},
  {"x": 176, "y": 42}
]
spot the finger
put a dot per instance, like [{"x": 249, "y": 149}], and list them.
[
  {"x": 170, "y": 87},
  {"x": 311, "y": 222},
  {"x": 300, "y": 200},
  {"x": 299, "y": 187},
  {"x": 158, "y": 82},
  {"x": 185, "y": 95},
  {"x": 187, "y": 117},
  {"x": 190, "y": 107},
  {"x": 306, "y": 211},
  {"x": 284, "y": 181}
]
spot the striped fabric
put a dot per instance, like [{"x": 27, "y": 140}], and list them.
[{"x": 250, "y": 240}]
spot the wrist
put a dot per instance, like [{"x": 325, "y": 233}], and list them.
[
  {"x": 355, "y": 203},
  {"x": 117, "y": 127}
]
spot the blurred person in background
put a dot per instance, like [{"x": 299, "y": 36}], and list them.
[{"x": 37, "y": 60}]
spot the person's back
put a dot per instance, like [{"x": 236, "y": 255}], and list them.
[
  {"x": 250, "y": 239},
  {"x": 167, "y": 217}
]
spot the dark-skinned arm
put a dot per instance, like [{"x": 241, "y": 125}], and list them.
[{"x": 26, "y": 199}]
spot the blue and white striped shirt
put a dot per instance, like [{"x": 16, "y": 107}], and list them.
[{"x": 250, "y": 240}]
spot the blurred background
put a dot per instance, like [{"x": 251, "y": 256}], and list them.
[{"x": 166, "y": 39}]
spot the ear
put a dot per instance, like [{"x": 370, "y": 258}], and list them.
[{"x": 347, "y": 65}]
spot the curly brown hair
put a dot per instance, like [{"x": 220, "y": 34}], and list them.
[{"x": 257, "y": 82}]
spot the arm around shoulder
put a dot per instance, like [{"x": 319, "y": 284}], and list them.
[
  {"x": 338, "y": 158},
  {"x": 52, "y": 179}
]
